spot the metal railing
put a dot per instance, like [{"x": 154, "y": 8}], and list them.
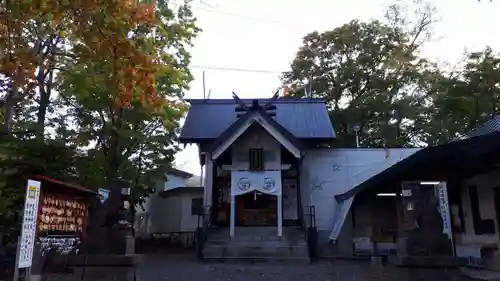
[
  {"x": 309, "y": 226},
  {"x": 204, "y": 220},
  {"x": 308, "y": 217}
]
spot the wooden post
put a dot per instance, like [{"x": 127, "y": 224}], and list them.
[
  {"x": 399, "y": 207},
  {"x": 232, "y": 216},
  {"x": 208, "y": 184},
  {"x": 374, "y": 229},
  {"x": 280, "y": 215}
]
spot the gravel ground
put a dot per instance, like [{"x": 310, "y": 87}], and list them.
[
  {"x": 185, "y": 267},
  {"x": 192, "y": 270}
]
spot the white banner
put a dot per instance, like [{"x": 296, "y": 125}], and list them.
[
  {"x": 444, "y": 209},
  {"x": 29, "y": 223},
  {"x": 268, "y": 182}
]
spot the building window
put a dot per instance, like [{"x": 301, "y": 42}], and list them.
[
  {"x": 197, "y": 206},
  {"x": 256, "y": 160}
]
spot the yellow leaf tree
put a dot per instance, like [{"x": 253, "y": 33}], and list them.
[
  {"x": 36, "y": 35},
  {"x": 127, "y": 80}
]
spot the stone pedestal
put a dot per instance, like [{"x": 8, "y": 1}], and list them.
[
  {"x": 104, "y": 267},
  {"x": 377, "y": 262},
  {"x": 428, "y": 269},
  {"x": 108, "y": 252},
  {"x": 35, "y": 277},
  {"x": 424, "y": 252},
  {"x": 129, "y": 245}
]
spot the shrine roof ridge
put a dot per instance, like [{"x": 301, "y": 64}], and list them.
[
  {"x": 261, "y": 100},
  {"x": 303, "y": 118}
]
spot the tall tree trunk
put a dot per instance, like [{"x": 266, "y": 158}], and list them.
[
  {"x": 7, "y": 121},
  {"x": 10, "y": 102},
  {"x": 44, "y": 90},
  {"x": 115, "y": 148}
]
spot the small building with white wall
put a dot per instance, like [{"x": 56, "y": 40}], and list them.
[{"x": 172, "y": 207}]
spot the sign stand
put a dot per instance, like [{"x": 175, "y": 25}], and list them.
[
  {"x": 16, "y": 266},
  {"x": 27, "y": 274},
  {"x": 26, "y": 242}
]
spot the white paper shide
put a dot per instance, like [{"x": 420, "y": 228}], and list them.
[{"x": 29, "y": 223}]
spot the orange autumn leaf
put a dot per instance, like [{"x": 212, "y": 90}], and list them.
[{"x": 101, "y": 28}]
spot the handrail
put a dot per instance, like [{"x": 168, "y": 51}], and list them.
[
  {"x": 310, "y": 231},
  {"x": 309, "y": 217},
  {"x": 204, "y": 219}
]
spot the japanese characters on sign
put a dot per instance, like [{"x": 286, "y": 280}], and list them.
[
  {"x": 444, "y": 209},
  {"x": 29, "y": 223}
]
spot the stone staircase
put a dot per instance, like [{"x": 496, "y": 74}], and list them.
[{"x": 256, "y": 244}]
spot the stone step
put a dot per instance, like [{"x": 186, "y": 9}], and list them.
[
  {"x": 256, "y": 253},
  {"x": 255, "y": 244},
  {"x": 258, "y": 234},
  {"x": 251, "y": 243},
  {"x": 249, "y": 239},
  {"x": 287, "y": 260},
  {"x": 256, "y": 250}
]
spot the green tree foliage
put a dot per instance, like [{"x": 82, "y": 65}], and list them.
[
  {"x": 467, "y": 97},
  {"x": 20, "y": 159},
  {"x": 372, "y": 76},
  {"x": 129, "y": 141},
  {"x": 119, "y": 71}
]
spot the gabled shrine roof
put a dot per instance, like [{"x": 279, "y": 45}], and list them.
[
  {"x": 303, "y": 118},
  {"x": 244, "y": 119}
]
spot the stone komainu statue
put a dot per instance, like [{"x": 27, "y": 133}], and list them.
[{"x": 427, "y": 238}]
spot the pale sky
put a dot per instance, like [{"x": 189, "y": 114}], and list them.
[{"x": 263, "y": 37}]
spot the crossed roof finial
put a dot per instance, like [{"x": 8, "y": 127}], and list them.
[{"x": 255, "y": 103}]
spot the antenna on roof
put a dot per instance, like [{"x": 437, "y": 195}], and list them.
[
  {"x": 310, "y": 88},
  {"x": 209, "y": 92},
  {"x": 204, "y": 96}
]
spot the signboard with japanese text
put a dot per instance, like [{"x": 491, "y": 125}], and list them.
[{"x": 29, "y": 225}]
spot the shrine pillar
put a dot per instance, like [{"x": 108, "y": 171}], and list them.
[{"x": 208, "y": 181}]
